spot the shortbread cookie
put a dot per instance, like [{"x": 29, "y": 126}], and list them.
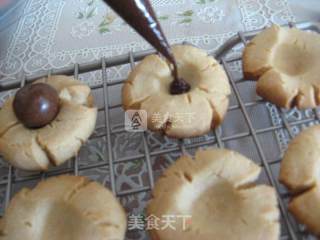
[
  {"x": 64, "y": 208},
  {"x": 300, "y": 172},
  {"x": 35, "y": 149},
  {"x": 286, "y": 64},
  {"x": 215, "y": 191},
  {"x": 190, "y": 114}
]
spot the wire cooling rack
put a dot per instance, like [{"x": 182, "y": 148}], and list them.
[{"x": 14, "y": 180}]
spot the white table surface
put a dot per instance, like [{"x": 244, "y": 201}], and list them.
[{"x": 52, "y": 34}]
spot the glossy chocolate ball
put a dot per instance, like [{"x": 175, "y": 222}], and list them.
[{"x": 36, "y": 105}]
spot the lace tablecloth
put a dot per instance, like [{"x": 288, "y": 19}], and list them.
[{"x": 54, "y": 34}]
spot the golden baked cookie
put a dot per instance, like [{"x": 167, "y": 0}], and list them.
[
  {"x": 185, "y": 115},
  {"x": 64, "y": 208},
  {"x": 300, "y": 173},
  {"x": 215, "y": 189},
  {"x": 35, "y": 149},
  {"x": 285, "y": 61}
]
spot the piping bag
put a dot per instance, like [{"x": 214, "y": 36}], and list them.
[{"x": 140, "y": 15}]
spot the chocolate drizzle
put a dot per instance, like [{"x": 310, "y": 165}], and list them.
[
  {"x": 179, "y": 86},
  {"x": 140, "y": 15}
]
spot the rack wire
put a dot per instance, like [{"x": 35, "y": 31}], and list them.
[{"x": 290, "y": 230}]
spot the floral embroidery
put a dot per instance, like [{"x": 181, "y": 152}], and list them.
[
  {"x": 163, "y": 17},
  {"x": 185, "y": 17},
  {"x": 83, "y": 30},
  {"x": 205, "y": 1},
  {"x": 90, "y": 10},
  {"x": 104, "y": 26},
  {"x": 210, "y": 14},
  {"x": 111, "y": 22}
]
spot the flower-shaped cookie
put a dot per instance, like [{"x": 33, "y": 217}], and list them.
[
  {"x": 300, "y": 172},
  {"x": 64, "y": 208},
  {"x": 286, "y": 63},
  {"x": 35, "y": 149},
  {"x": 190, "y": 114},
  {"x": 212, "y": 197}
]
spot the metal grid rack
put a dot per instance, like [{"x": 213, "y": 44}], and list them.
[{"x": 290, "y": 229}]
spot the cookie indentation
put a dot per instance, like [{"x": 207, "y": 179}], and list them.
[
  {"x": 58, "y": 208},
  {"x": 300, "y": 173},
  {"x": 285, "y": 62},
  {"x": 213, "y": 196},
  {"x": 191, "y": 113},
  {"x": 58, "y": 141},
  {"x": 292, "y": 59}
]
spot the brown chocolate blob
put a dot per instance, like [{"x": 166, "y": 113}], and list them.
[
  {"x": 179, "y": 86},
  {"x": 140, "y": 15},
  {"x": 36, "y": 105}
]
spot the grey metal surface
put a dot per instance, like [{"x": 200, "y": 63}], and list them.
[{"x": 290, "y": 229}]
